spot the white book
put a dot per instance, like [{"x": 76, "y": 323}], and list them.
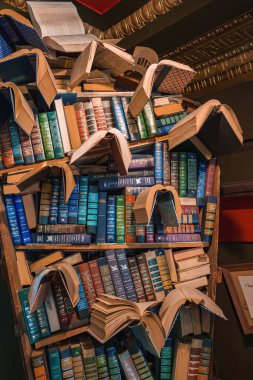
[
  {"x": 62, "y": 125},
  {"x": 52, "y": 315}
]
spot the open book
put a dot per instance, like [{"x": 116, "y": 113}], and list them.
[
  {"x": 100, "y": 55},
  {"x": 168, "y": 203},
  {"x": 115, "y": 141},
  {"x": 143, "y": 58},
  {"x": 59, "y": 25},
  {"x": 111, "y": 314},
  {"x": 43, "y": 170},
  {"x": 42, "y": 282},
  {"x": 167, "y": 77},
  {"x": 25, "y": 66},
  {"x": 213, "y": 125},
  {"x": 12, "y": 102}
]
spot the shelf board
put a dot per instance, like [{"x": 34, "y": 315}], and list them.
[
  {"x": 58, "y": 337},
  {"x": 104, "y": 247}
]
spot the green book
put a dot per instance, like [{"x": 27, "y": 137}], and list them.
[
  {"x": 55, "y": 134},
  {"x": 77, "y": 360},
  {"x": 102, "y": 367},
  {"x": 46, "y": 136},
  {"x": 139, "y": 359},
  {"x": 192, "y": 175},
  {"x": 166, "y": 361},
  {"x": 149, "y": 118},
  {"x": 54, "y": 362},
  {"x": 182, "y": 174},
  {"x": 89, "y": 359},
  {"x": 142, "y": 127},
  {"x": 113, "y": 363},
  {"x": 120, "y": 219}
]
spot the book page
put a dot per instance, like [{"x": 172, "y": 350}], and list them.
[
  {"x": 246, "y": 283},
  {"x": 55, "y": 18},
  {"x": 70, "y": 44}
]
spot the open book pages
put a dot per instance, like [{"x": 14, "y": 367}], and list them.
[
  {"x": 43, "y": 170},
  {"x": 42, "y": 281},
  {"x": 101, "y": 55},
  {"x": 167, "y": 200},
  {"x": 22, "y": 112},
  {"x": 69, "y": 44},
  {"x": 178, "y": 297},
  {"x": 143, "y": 58},
  {"x": 167, "y": 77},
  {"x": 213, "y": 124},
  {"x": 114, "y": 140}
]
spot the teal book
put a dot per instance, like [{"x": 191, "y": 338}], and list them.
[
  {"x": 92, "y": 210},
  {"x": 31, "y": 320},
  {"x": 43, "y": 321},
  {"x": 166, "y": 360},
  {"x": 15, "y": 142},
  {"x": 46, "y": 136},
  {"x": 55, "y": 134},
  {"x": 120, "y": 219},
  {"x": 182, "y": 174},
  {"x": 82, "y": 201},
  {"x": 113, "y": 363},
  {"x": 54, "y": 363},
  {"x": 102, "y": 366},
  {"x": 63, "y": 207}
]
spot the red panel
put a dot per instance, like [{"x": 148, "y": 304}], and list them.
[
  {"x": 99, "y": 6},
  {"x": 236, "y": 219}
]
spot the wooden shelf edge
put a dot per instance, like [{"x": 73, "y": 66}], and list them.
[
  {"x": 104, "y": 247},
  {"x": 58, "y": 337}
]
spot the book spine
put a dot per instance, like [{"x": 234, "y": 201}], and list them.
[
  {"x": 150, "y": 232},
  {"x": 155, "y": 275},
  {"x": 68, "y": 305},
  {"x": 209, "y": 219},
  {"x": 119, "y": 116},
  {"x": 115, "y": 273},
  {"x": 43, "y": 321},
  {"x": 119, "y": 183},
  {"x": 22, "y": 222},
  {"x": 6, "y": 149},
  {"x": 190, "y": 210},
  {"x": 166, "y": 164},
  {"x": 90, "y": 366},
  {"x": 145, "y": 277},
  {"x": 134, "y": 190},
  {"x": 54, "y": 362},
  {"x": 36, "y": 140},
  {"x": 113, "y": 363},
  {"x": 12, "y": 220},
  {"x": 131, "y": 122},
  {"x": 205, "y": 360},
  {"x": 82, "y": 202},
  {"x": 106, "y": 276},
  {"x": 15, "y": 142},
  {"x": 140, "y": 234},
  {"x": 92, "y": 210},
  {"x": 39, "y": 365},
  {"x": 143, "y": 133},
  {"x": 126, "y": 275},
  {"x": 120, "y": 219},
  {"x": 189, "y": 219},
  {"x": 31, "y": 321},
  {"x": 99, "y": 114},
  {"x": 149, "y": 119},
  {"x": 82, "y": 305},
  {"x": 26, "y": 146},
  {"x": 75, "y": 239},
  {"x": 108, "y": 113},
  {"x": 158, "y": 155},
  {"x": 183, "y": 179},
  {"x": 195, "y": 352},
  {"x": 96, "y": 277},
  {"x": 176, "y": 238},
  {"x": 90, "y": 118},
  {"x": 77, "y": 359},
  {"x": 210, "y": 176},
  {"x": 46, "y": 136},
  {"x": 130, "y": 220},
  {"x": 111, "y": 219},
  {"x": 45, "y": 202},
  {"x": 102, "y": 367},
  {"x": 63, "y": 207},
  {"x": 201, "y": 183},
  {"x": 181, "y": 229},
  {"x": 135, "y": 163},
  {"x": 128, "y": 366},
  {"x": 136, "y": 277},
  {"x": 51, "y": 310},
  {"x": 60, "y": 305},
  {"x": 174, "y": 170},
  {"x": 139, "y": 360},
  {"x": 101, "y": 226},
  {"x": 73, "y": 203},
  {"x": 166, "y": 360},
  {"x": 165, "y": 129},
  {"x": 55, "y": 134},
  {"x": 88, "y": 285},
  {"x": 60, "y": 229},
  {"x": 192, "y": 175},
  {"x": 66, "y": 363},
  {"x": 54, "y": 202},
  {"x": 81, "y": 121}
]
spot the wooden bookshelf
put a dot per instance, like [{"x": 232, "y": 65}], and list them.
[{"x": 58, "y": 337}]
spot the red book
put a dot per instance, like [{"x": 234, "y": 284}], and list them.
[
  {"x": 6, "y": 148},
  {"x": 145, "y": 277},
  {"x": 81, "y": 121},
  {"x": 99, "y": 113},
  {"x": 26, "y": 146},
  {"x": 190, "y": 210},
  {"x": 60, "y": 304},
  {"x": 88, "y": 285},
  {"x": 210, "y": 175},
  {"x": 96, "y": 277},
  {"x": 130, "y": 221}
]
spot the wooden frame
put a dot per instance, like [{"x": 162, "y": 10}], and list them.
[{"x": 231, "y": 274}]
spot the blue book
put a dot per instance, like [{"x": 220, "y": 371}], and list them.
[
  {"x": 120, "y": 183},
  {"x": 165, "y": 129},
  {"x": 101, "y": 226},
  {"x": 43, "y": 321},
  {"x": 15, "y": 142},
  {"x": 111, "y": 219},
  {"x": 82, "y": 305},
  {"x": 31, "y": 320},
  {"x": 23, "y": 226},
  {"x": 54, "y": 363},
  {"x": 73, "y": 203},
  {"x": 92, "y": 210},
  {"x": 119, "y": 116},
  {"x": 12, "y": 220},
  {"x": 75, "y": 239},
  {"x": 54, "y": 201},
  {"x": 115, "y": 273},
  {"x": 63, "y": 207},
  {"x": 82, "y": 202},
  {"x": 66, "y": 362},
  {"x": 113, "y": 363},
  {"x": 55, "y": 134},
  {"x": 125, "y": 274},
  {"x": 158, "y": 155},
  {"x": 201, "y": 183}
]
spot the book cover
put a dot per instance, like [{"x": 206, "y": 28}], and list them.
[
  {"x": 12, "y": 220},
  {"x": 111, "y": 219},
  {"x": 26, "y": 146},
  {"x": 77, "y": 360},
  {"x": 90, "y": 118},
  {"x": 125, "y": 274},
  {"x": 82, "y": 305},
  {"x": 140, "y": 234},
  {"x": 73, "y": 203},
  {"x": 81, "y": 121},
  {"x": 46, "y": 136},
  {"x": 22, "y": 221},
  {"x": 164, "y": 270},
  {"x": 55, "y": 134},
  {"x": 115, "y": 273},
  {"x": 130, "y": 220},
  {"x": 177, "y": 238},
  {"x": 96, "y": 277},
  {"x": 150, "y": 232},
  {"x": 99, "y": 114},
  {"x": 174, "y": 170},
  {"x": 166, "y": 164},
  {"x": 120, "y": 183},
  {"x": 45, "y": 196},
  {"x": 192, "y": 175},
  {"x": 36, "y": 140},
  {"x": 166, "y": 360},
  {"x": 155, "y": 275},
  {"x": 145, "y": 277},
  {"x": 54, "y": 363},
  {"x": 88, "y": 285},
  {"x": 201, "y": 183},
  {"x": 59, "y": 302},
  {"x": 89, "y": 359},
  {"x": 120, "y": 219},
  {"x": 101, "y": 226},
  {"x": 102, "y": 366},
  {"x": 158, "y": 155},
  {"x": 136, "y": 277},
  {"x": 106, "y": 276},
  {"x": 139, "y": 359},
  {"x": 6, "y": 148},
  {"x": 205, "y": 359},
  {"x": 183, "y": 177},
  {"x": 119, "y": 116},
  {"x": 51, "y": 311},
  {"x": 63, "y": 210},
  {"x": 43, "y": 321},
  {"x": 92, "y": 210},
  {"x": 39, "y": 365},
  {"x": 108, "y": 113},
  {"x": 82, "y": 201},
  {"x": 54, "y": 201},
  {"x": 73, "y": 239},
  {"x": 127, "y": 365},
  {"x": 149, "y": 119},
  {"x": 143, "y": 133},
  {"x": 66, "y": 361},
  {"x": 131, "y": 122},
  {"x": 31, "y": 320},
  {"x": 15, "y": 141},
  {"x": 210, "y": 177},
  {"x": 113, "y": 363},
  {"x": 209, "y": 219}
]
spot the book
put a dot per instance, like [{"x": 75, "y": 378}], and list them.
[
  {"x": 44, "y": 211},
  {"x": 87, "y": 282},
  {"x": 120, "y": 219},
  {"x": 181, "y": 361},
  {"x": 119, "y": 116},
  {"x": 125, "y": 274},
  {"x": 192, "y": 175},
  {"x": 55, "y": 134},
  {"x": 142, "y": 126},
  {"x": 158, "y": 156},
  {"x": 36, "y": 140},
  {"x": 63, "y": 208},
  {"x": 12, "y": 220},
  {"x": 82, "y": 122},
  {"x": 66, "y": 361},
  {"x": 209, "y": 218},
  {"x": 54, "y": 204},
  {"x": 145, "y": 277},
  {"x": 131, "y": 122},
  {"x": 31, "y": 320},
  {"x": 108, "y": 113},
  {"x": 193, "y": 262},
  {"x": 130, "y": 227},
  {"x": 46, "y": 136},
  {"x": 59, "y": 302},
  {"x": 68, "y": 239},
  {"x": 54, "y": 363},
  {"x": 73, "y": 131},
  {"x": 89, "y": 359},
  {"x": 90, "y": 118},
  {"x": 176, "y": 238},
  {"x": 196, "y": 283},
  {"x": 183, "y": 174},
  {"x": 92, "y": 209},
  {"x": 127, "y": 364},
  {"x": 82, "y": 201},
  {"x": 43, "y": 322},
  {"x": 149, "y": 119},
  {"x": 164, "y": 270},
  {"x": 155, "y": 275},
  {"x": 102, "y": 366},
  {"x": 6, "y": 148},
  {"x": 138, "y": 358},
  {"x": 106, "y": 275},
  {"x": 52, "y": 314},
  {"x": 26, "y": 146},
  {"x": 136, "y": 277},
  {"x": 59, "y": 108},
  {"x": 39, "y": 365},
  {"x": 99, "y": 113},
  {"x": 113, "y": 363},
  {"x": 166, "y": 164},
  {"x": 210, "y": 176},
  {"x": 39, "y": 264},
  {"x": 96, "y": 277},
  {"x": 201, "y": 183},
  {"x": 122, "y": 182},
  {"x": 166, "y": 360},
  {"x": 101, "y": 223},
  {"x": 73, "y": 203},
  {"x": 77, "y": 360},
  {"x": 21, "y": 217},
  {"x": 82, "y": 305},
  {"x": 111, "y": 219},
  {"x": 115, "y": 274},
  {"x": 15, "y": 141},
  {"x": 23, "y": 269},
  {"x": 174, "y": 170},
  {"x": 205, "y": 359}
]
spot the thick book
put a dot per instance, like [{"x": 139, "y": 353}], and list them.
[
  {"x": 82, "y": 306},
  {"x": 99, "y": 113},
  {"x": 176, "y": 238},
  {"x": 46, "y": 136},
  {"x": 71, "y": 120},
  {"x": 108, "y": 113},
  {"x": 26, "y": 146},
  {"x": 166, "y": 164},
  {"x": 101, "y": 224},
  {"x": 68, "y": 239},
  {"x": 59, "y": 108},
  {"x": 121, "y": 182},
  {"x": 113, "y": 363},
  {"x": 89, "y": 359},
  {"x": 201, "y": 183},
  {"x": 39, "y": 365},
  {"x": 155, "y": 274},
  {"x": 145, "y": 277},
  {"x": 102, "y": 366},
  {"x": 82, "y": 124},
  {"x": 174, "y": 169},
  {"x": 138, "y": 358},
  {"x": 131, "y": 122},
  {"x": 77, "y": 359},
  {"x": 55, "y": 134},
  {"x": 59, "y": 302},
  {"x": 192, "y": 180},
  {"x": 22, "y": 221},
  {"x": 106, "y": 275},
  {"x": 130, "y": 220},
  {"x": 120, "y": 219},
  {"x": 127, "y": 364},
  {"x": 66, "y": 361},
  {"x": 15, "y": 141},
  {"x": 90, "y": 118},
  {"x": 183, "y": 174},
  {"x": 73, "y": 203},
  {"x": 54, "y": 363},
  {"x": 36, "y": 140},
  {"x": 43, "y": 321},
  {"x": 142, "y": 126},
  {"x": 164, "y": 270},
  {"x": 166, "y": 360},
  {"x": 88, "y": 284},
  {"x": 96, "y": 277},
  {"x": 210, "y": 177},
  {"x": 158, "y": 156},
  {"x": 63, "y": 208},
  {"x": 82, "y": 201},
  {"x": 149, "y": 119},
  {"x": 205, "y": 359},
  {"x": 31, "y": 320},
  {"x": 44, "y": 211},
  {"x": 54, "y": 203},
  {"x": 136, "y": 277},
  {"x": 12, "y": 220},
  {"x": 115, "y": 273},
  {"x": 111, "y": 219},
  {"x": 208, "y": 219},
  {"x": 92, "y": 210},
  {"x": 6, "y": 148}
]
